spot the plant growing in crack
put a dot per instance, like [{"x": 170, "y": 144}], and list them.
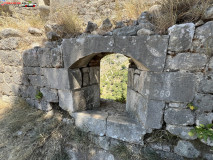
[
  {"x": 39, "y": 95},
  {"x": 203, "y": 132}
]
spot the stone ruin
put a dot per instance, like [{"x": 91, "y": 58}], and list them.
[{"x": 167, "y": 72}]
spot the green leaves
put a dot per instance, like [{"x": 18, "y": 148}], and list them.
[
  {"x": 202, "y": 131},
  {"x": 39, "y": 95}
]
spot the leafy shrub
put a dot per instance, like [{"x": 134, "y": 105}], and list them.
[{"x": 202, "y": 131}]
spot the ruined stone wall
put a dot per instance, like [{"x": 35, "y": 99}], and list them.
[{"x": 171, "y": 71}]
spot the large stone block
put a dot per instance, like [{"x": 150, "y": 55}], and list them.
[
  {"x": 186, "y": 61},
  {"x": 179, "y": 117},
  {"x": 204, "y": 40},
  {"x": 155, "y": 113},
  {"x": 186, "y": 149},
  {"x": 148, "y": 52},
  {"x": 32, "y": 70},
  {"x": 66, "y": 100},
  {"x": 171, "y": 87},
  {"x": 91, "y": 121},
  {"x": 57, "y": 78},
  {"x": 30, "y": 58},
  {"x": 130, "y": 83},
  {"x": 203, "y": 102},
  {"x": 181, "y": 37},
  {"x": 180, "y": 131},
  {"x": 75, "y": 78},
  {"x": 37, "y": 80},
  {"x": 50, "y": 95},
  {"x": 124, "y": 129},
  {"x": 75, "y": 49}
]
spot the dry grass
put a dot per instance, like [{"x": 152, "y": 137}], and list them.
[
  {"x": 133, "y": 8},
  {"x": 171, "y": 12},
  {"x": 179, "y": 11},
  {"x": 68, "y": 19},
  {"x": 28, "y": 133}
]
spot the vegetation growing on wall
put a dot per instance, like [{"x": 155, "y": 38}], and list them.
[{"x": 114, "y": 71}]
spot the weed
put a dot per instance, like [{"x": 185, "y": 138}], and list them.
[
  {"x": 202, "y": 131},
  {"x": 39, "y": 95},
  {"x": 192, "y": 107}
]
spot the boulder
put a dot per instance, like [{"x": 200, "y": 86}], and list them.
[
  {"x": 186, "y": 149},
  {"x": 181, "y": 37}
]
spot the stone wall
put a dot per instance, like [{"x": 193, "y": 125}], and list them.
[{"x": 170, "y": 72}]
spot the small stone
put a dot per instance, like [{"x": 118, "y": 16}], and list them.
[
  {"x": 199, "y": 23},
  {"x": 91, "y": 27},
  {"x": 34, "y": 31},
  {"x": 186, "y": 149},
  {"x": 106, "y": 25},
  {"x": 144, "y": 31},
  {"x": 208, "y": 14}
]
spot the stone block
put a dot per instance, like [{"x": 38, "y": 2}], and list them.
[
  {"x": 206, "y": 84},
  {"x": 86, "y": 79},
  {"x": 75, "y": 49},
  {"x": 50, "y": 95},
  {"x": 155, "y": 111},
  {"x": 130, "y": 83},
  {"x": 94, "y": 75},
  {"x": 31, "y": 91},
  {"x": 66, "y": 100},
  {"x": 124, "y": 129},
  {"x": 179, "y": 117},
  {"x": 91, "y": 121},
  {"x": 186, "y": 61},
  {"x": 205, "y": 118},
  {"x": 32, "y": 70},
  {"x": 171, "y": 86},
  {"x": 181, "y": 131},
  {"x": 45, "y": 57},
  {"x": 30, "y": 58},
  {"x": 181, "y": 37},
  {"x": 203, "y": 102},
  {"x": 57, "y": 78},
  {"x": 37, "y": 80},
  {"x": 203, "y": 36},
  {"x": 148, "y": 52},
  {"x": 75, "y": 78},
  {"x": 186, "y": 149},
  {"x": 30, "y": 102}
]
